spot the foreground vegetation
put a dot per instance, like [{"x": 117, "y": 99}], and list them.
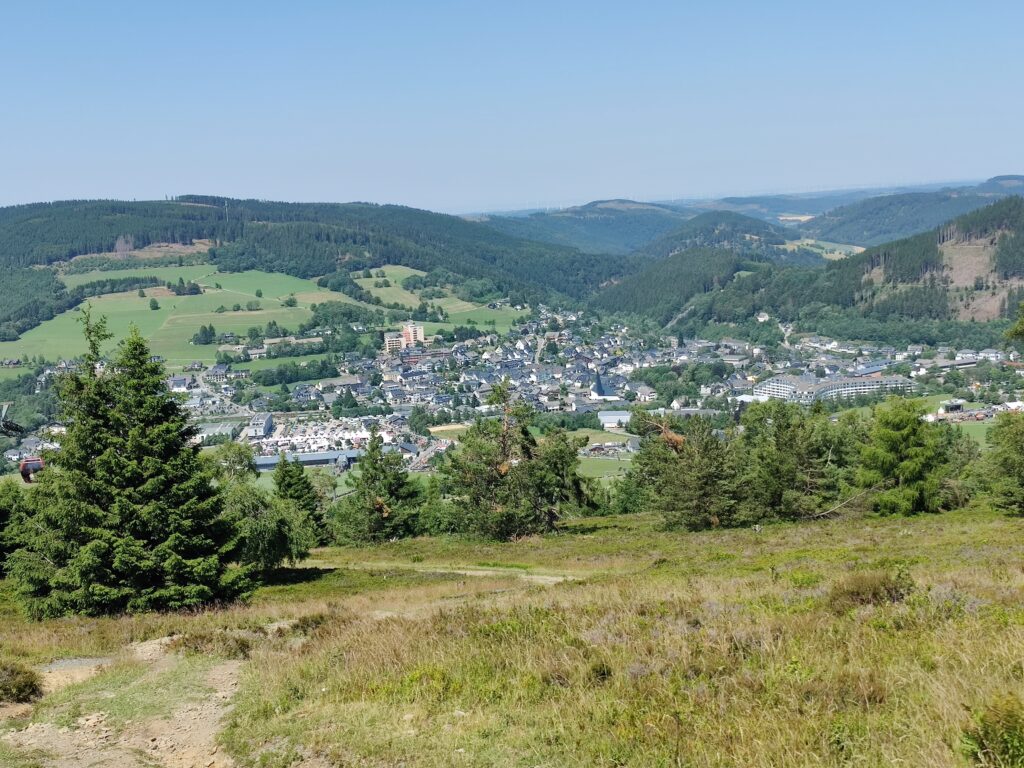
[
  {"x": 856, "y": 642},
  {"x": 797, "y": 588},
  {"x": 861, "y": 641}
]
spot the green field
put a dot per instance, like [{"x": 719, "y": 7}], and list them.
[
  {"x": 171, "y": 327},
  {"x": 274, "y": 362},
  {"x": 604, "y": 469},
  {"x": 978, "y": 430},
  {"x": 449, "y": 431},
  {"x": 504, "y": 318},
  {"x": 395, "y": 293},
  {"x": 460, "y": 312}
]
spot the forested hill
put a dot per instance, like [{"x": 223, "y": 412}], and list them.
[
  {"x": 302, "y": 239},
  {"x": 933, "y": 287},
  {"x": 42, "y": 233},
  {"x": 603, "y": 226},
  {"x": 308, "y": 240},
  {"x": 930, "y": 288},
  {"x": 886, "y": 218},
  {"x": 323, "y": 240},
  {"x": 662, "y": 289},
  {"x": 733, "y": 231}
]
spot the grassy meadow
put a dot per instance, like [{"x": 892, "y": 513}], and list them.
[
  {"x": 170, "y": 328},
  {"x": 460, "y": 312},
  {"x": 859, "y": 641},
  {"x": 395, "y": 293}
]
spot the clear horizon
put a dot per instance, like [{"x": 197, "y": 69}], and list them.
[{"x": 460, "y": 108}]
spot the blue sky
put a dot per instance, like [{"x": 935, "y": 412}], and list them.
[{"x": 469, "y": 106}]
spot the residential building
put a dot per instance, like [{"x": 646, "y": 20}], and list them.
[
  {"x": 392, "y": 343},
  {"x": 807, "y": 389},
  {"x": 412, "y": 334}
]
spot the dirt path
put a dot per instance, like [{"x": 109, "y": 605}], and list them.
[{"x": 185, "y": 739}]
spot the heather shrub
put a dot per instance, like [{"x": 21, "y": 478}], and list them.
[{"x": 18, "y": 682}]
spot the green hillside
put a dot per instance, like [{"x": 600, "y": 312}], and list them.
[
  {"x": 882, "y": 219},
  {"x": 662, "y": 290},
  {"x": 733, "y": 231},
  {"x": 305, "y": 240},
  {"x": 603, "y": 226}
]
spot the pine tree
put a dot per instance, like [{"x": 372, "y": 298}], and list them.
[
  {"x": 380, "y": 506},
  {"x": 348, "y": 400},
  {"x": 704, "y": 490},
  {"x": 687, "y": 475},
  {"x": 126, "y": 518},
  {"x": 507, "y": 485},
  {"x": 1006, "y": 462}
]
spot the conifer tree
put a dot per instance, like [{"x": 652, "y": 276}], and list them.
[
  {"x": 126, "y": 518},
  {"x": 291, "y": 483},
  {"x": 380, "y": 505},
  {"x": 504, "y": 482},
  {"x": 1005, "y": 462},
  {"x": 904, "y": 454},
  {"x": 687, "y": 475}
]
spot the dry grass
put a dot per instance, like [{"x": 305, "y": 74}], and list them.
[
  {"x": 302, "y": 591},
  {"x": 868, "y": 642},
  {"x": 736, "y": 657}
]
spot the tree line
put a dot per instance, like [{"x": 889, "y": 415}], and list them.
[{"x": 785, "y": 462}]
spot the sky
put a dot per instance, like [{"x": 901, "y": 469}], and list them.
[{"x": 477, "y": 106}]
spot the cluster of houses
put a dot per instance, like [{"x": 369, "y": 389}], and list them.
[
  {"x": 593, "y": 375},
  {"x": 553, "y": 362},
  {"x": 266, "y": 348}
]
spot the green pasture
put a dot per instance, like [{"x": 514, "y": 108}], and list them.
[{"x": 395, "y": 293}]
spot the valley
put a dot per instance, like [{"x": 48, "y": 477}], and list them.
[{"x": 510, "y": 385}]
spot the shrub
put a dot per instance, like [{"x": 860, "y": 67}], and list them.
[
  {"x": 19, "y": 683},
  {"x": 875, "y": 587},
  {"x": 225, "y": 643},
  {"x": 996, "y": 737}
]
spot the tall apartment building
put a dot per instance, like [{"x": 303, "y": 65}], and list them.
[
  {"x": 410, "y": 335},
  {"x": 392, "y": 343}
]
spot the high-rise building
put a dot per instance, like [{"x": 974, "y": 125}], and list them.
[{"x": 412, "y": 335}]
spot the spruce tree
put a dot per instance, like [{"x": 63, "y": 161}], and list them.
[
  {"x": 505, "y": 484},
  {"x": 687, "y": 474},
  {"x": 380, "y": 505},
  {"x": 290, "y": 482},
  {"x": 1005, "y": 462},
  {"x": 903, "y": 454},
  {"x": 126, "y": 518}
]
